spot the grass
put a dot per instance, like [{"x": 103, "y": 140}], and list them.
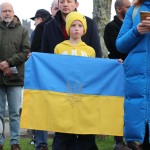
[{"x": 103, "y": 143}]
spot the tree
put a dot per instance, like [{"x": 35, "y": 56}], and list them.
[{"x": 102, "y": 15}]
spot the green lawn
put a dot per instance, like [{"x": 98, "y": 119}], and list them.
[{"x": 102, "y": 143}]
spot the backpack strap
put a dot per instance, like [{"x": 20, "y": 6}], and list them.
[{"x": 135, "y": 10}]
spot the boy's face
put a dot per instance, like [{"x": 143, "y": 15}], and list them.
[
  {"x": 76, "y": 30},
  {"x": 67, "y": 6}
]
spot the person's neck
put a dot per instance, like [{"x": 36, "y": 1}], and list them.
[
  {"x": 6, "y": 23},
  {"x": 120, "y": 17},
  {"x": 64, "y": 17},
  {"x": 74, "y": 42}
]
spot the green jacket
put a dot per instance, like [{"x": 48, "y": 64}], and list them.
[{"x": 14, "y": 47}]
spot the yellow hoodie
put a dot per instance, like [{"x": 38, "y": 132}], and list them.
[{"x": 81, "y": 49}]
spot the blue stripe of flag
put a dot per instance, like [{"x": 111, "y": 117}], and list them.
[{"x": 73, "y": 74}]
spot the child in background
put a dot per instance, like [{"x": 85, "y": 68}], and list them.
[{"x": 76, "y": 26}]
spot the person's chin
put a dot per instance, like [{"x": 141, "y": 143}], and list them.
[
  {"x": 8, "y": 20},
  {"x": 66, "y": 12}
]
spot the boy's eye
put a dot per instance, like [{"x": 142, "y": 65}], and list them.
[{"x": 73, "y": 25}]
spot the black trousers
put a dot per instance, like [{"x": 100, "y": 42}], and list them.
[
  {"x": 146, "y": 144},
  {"x": 64, "y": 141},
  {"x": 118, "y": 139}
]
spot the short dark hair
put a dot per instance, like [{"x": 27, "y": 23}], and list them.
[{"x": 119, "y": 3}]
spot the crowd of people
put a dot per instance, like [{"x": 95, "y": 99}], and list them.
[{"x": 66, "y": 31}]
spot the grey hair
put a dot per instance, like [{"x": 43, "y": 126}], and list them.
[{"x": 6, "y": 3}]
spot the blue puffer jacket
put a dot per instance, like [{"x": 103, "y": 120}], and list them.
[{"x": 137, "y": 75}]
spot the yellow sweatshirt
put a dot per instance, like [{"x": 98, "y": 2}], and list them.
[{"x": 81, "y": 49}]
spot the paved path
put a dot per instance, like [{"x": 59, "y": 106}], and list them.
[{"x": 23, "y": 132}]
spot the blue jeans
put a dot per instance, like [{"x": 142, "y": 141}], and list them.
[
  {"x": 13, "y": 95},
  {"x": 41, "y": 138}
]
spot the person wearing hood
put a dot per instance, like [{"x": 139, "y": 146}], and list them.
[
  {"x": 55, "y": 33},
  {"x": 14, "y": 48},
  {"x": 134, "y": 39},
  {"x": 76, "y": 27},
  {"x": 110, "y": 35}
]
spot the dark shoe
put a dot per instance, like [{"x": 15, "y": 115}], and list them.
[
  {"x": 121, "y": 146},
  {"x": 1, "y": 147},
  {"x": 15, "y": 147},
  {"x": 132, "y": 145},
  {"x": 44, "y": 148}
]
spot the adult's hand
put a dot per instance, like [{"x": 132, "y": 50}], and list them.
[
  {"x": 120, "y": 60},
  {"x": 7, "y": 72},
  {"x": 144, "y": 26},
  {"x": 29, "y": 55},
  {"x": 4, "y": 65}
]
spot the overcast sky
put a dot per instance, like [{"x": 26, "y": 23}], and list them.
[{"x": 27, "y": 8}]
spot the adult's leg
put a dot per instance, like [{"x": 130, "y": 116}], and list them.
[
  {"x": 41, "y": 138},
  {"x": 93, "y": 143},
  {"x": 146, "y": 144},
  {"x": 14, "y": 95},
  {"x": 118, "y": 139},
  {"x": 120, "y": 144},
  {"x": 2, "y": 111},
  {"x": 86, "y": 142},
  {"x": 64, "y": 141}
]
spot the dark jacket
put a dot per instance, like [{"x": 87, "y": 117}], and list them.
[
  {"x": 110, "y": 35},
  {"x": 37, "y": 36},
  {"x": 53, "y": 35},
  {"x": 14, "y": 47}
]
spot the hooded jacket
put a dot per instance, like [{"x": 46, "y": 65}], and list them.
[
  {"x": 81, "y": 49},
  {"x": 137, "y": 75},
  {"x": 14, "y": 47},
  {"x": 53, "y": 35}
]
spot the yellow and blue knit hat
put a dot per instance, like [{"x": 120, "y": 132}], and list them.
[{"x": 73, "y": 16}]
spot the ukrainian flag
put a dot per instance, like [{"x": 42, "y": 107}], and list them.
[{"x": 72, "y": 94}]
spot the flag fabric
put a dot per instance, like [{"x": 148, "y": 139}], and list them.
[{"x": 73, "y": 94}]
